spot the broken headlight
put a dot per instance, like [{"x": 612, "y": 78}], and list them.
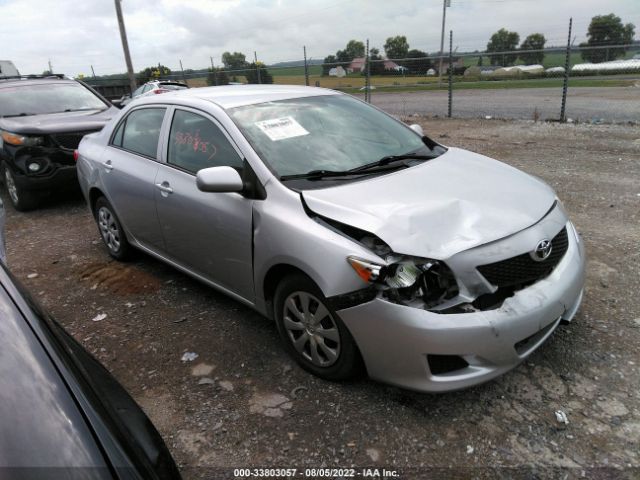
[{"x": 407, "y": 280}]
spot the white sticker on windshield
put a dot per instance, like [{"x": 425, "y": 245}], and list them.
[{"x": 281, "y": 128}]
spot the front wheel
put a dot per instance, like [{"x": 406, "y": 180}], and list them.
[
  {"x": 111, "y": 230},
  {"x": 21, "y": 199},
  {"x": 312, "y": 332}
]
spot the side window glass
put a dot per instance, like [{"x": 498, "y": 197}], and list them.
[
  {"x": 196, "y": 143},
  {"x": 142, "y": 131},
  {"x": 117, "y": 138}
]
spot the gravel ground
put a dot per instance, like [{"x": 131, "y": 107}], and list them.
[
  {"x": 611, "y": 104},
  {"x": 243, "y": 403}
]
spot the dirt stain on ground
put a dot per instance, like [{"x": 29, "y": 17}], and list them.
[{"x": 119, "y": 279}]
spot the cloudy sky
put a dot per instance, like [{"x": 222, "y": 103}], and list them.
[{"x": 75, "y": 34}]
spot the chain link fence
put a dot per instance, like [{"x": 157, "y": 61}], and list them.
[{"x": 551, "y": 84}]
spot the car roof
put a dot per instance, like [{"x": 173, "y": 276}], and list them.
[
  {"x": 231, "y": 96},
  {"x": 26, "y": 80}
]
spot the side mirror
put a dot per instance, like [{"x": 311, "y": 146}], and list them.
[
  {"x": 219, "y": 179},
  {"x": 417, "y": 128}
]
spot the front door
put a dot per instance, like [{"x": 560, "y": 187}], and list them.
[{"x": 208, "y": 233}]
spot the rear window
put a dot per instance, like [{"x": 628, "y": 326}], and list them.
[
  {"x": 173, "y": 86},
  {"x": 42, "y": 98},
  {"x": 140, "y": 131}
]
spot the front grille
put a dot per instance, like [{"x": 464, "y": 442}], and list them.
[
  {"x": 70, "y": 140},
  {"x": 523, "y": 269}
]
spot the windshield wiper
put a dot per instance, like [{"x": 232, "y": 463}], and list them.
[
  {"x": 318, "y": 174},
  {"x": 19, "y": 115},
  {"x": 385, "y": 164},
  {"x": 384, "y": 161}
]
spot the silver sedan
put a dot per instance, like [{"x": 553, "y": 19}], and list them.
[{"x": 374, "y": 248}]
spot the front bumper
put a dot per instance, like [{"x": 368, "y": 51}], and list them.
[
  {"x": 62, "y": 177},
  {"x": 395, "y": 340}
]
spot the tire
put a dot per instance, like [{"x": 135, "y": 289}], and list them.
[
  {"x": 324, "y": 345},
  {"x": 111, "y": 230},
  {"x": 21, "y": 199}
]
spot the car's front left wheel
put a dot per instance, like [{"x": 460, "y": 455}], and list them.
[
  {"x": 111, "y": 230},
  {"x": 21, "y": 199},
  {"x": 312, "y": 332}
]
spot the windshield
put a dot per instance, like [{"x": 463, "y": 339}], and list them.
[
  {"x": 37, "y": 99},
  {"x": 332, "y": 132}
]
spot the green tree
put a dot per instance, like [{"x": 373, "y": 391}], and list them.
[
  {"x": 503, "y": 41},
  {"x": 252, "y": 73},
  {"x": 234, "y": 61},
  {"x": 377, "y": 62},
  {"x": 217, "y": 76},
  {"x": 354, "y": 49},
  {"x": 396, "y": 47},
  {"x": 607, "y": 30},
  {"x": 419, "y": 62},
  {"x": 535, "y": 41},
  {"x": 154, "y": 72},
  {"x": 328, "y": 64}
]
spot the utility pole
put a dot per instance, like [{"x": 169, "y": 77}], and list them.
[
  {"x": 306, "y": 68},
  {"x": 50, "y": 67},
  {"x": 93, "y": 72},
  {"x": 445, "y": 4},
  {"x": 255, "y": 59},
  {"x": 565, "y": 82},
  {"x": 213, "y": 72},
  {"x": 182, "y": 70},
  {"x": 125, "y": 46}
]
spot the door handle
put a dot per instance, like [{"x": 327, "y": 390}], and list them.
[
  {"x": 164, "y": 187},
  {"x": 108, "y": 165}
]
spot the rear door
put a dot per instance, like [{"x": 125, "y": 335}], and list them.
[
  {"x": 128, "y": 172},
  {"x": 208, "y": 233}
]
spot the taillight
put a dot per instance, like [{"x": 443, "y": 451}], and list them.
[
  {"x": 160, "y": 90},
  {"x": 76, "y": 154}
]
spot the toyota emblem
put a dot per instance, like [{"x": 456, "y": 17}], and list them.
[{"x": 542, "y": 250}]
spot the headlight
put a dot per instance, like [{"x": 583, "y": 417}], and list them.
[
  {"x": 406, "y": 279},
  {"x": 24, "y": 140}
]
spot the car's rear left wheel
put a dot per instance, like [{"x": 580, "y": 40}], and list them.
[{"x": 111, "y": 230}]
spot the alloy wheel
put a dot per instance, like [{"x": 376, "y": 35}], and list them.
[
  {"x": 311, "y": 328},
  {"x": 11, "y": 186},
  {"x": 109, "y": 229}
]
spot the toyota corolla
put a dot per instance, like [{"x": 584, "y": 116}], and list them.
[{"x": 373, "y": 247}]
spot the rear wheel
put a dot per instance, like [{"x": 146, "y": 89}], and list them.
[
  {"x": 111, "y": 230},
  {"x": 21, "y": 199},
  {"x": 312, "y": 332}
]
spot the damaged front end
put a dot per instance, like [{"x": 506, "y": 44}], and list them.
[
  {"x": 403, "y": 279},
  {"x": 478, "y": 279}
]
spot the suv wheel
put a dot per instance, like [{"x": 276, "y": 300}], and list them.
[
  {"x": 21, "y": 199},
  {"x": 312, "y": 332},
  {"x": 111, "y": 230}
]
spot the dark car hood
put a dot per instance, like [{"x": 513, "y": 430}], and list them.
[
  {"x": 41, "y": 423},
  {"x": 455, "y": 202},
  {"x": 59, "y": 122}
]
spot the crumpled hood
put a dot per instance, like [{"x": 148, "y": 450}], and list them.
[
  {"x": 59, "y": 122},
  {"x": 446, "y": 205}
]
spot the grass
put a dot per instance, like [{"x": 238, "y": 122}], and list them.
[
  {"x": 551, "y": 59},
  {"x": 506, "y": 84},
  {"x": 388, "y": 83}
]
